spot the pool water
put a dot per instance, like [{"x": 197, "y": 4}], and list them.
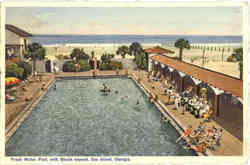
[{"x": 76, "y": 119}]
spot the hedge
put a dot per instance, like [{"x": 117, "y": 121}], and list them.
[
  {"x": 113, "y": 65},
  {"x": 27, "y": 68},
  {"x": 84, "y": 65},
  {"x": 69, "y": 66},
  {"x": 13, "y": 70}
]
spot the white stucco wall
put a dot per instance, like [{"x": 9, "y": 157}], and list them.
[
  {"x": 149, "y": 64},
  {"x": 12, "y": 38}
]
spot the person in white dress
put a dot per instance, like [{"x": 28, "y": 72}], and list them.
[
  {"x": 204, "y": 108},
  {"x": 176, "y": 101}
]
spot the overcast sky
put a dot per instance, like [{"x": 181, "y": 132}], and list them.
[{"x": 96, "y": 20}]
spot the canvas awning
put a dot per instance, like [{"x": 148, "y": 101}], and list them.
[
  {"x": 196, "y": 81},
  {"x": 217, "y": 91},
  {"x": 181, "y": 74},
  {"x": 170, "y": 69}
]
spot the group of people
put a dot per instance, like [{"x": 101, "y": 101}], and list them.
[
  {"x": 197, "y": 106},
  {"x": 201, "y": 138},
  {"x": 106, "y": 90}
]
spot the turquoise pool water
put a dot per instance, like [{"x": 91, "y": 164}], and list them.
[{"x": 78, "y": 120}]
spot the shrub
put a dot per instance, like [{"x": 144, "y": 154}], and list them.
[
  {"x": 79, "y": 54},
  {"x": 69, "y": 66},
  {"x": 234, "y": 59},
  {"x": 84, "y": 65},
  {"x": 27, "y": 68},
  {"x": 113, "y": 65},
  {"x": 13, "y": 70},
  {"x": 116, "y": 65},
  {"x": 105, "y": 66}
]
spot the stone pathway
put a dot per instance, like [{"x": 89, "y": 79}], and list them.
[{"x": 13, "y": 109}]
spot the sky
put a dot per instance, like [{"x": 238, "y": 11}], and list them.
[{"x": 125, "y": 20}]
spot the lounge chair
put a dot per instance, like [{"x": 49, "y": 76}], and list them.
[{"x": 10, "y": 98}]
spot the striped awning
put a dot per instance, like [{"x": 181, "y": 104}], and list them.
[
  {"x": 217, "y": 91},
  {"x": 181, "y": 74},
  {"x": 196, "y": 81},
  {"x": 170, "y": 69},
  {"x": 240, "y": 100}
]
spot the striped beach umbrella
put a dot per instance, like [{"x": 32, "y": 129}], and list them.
[{"x": 11, "y": 81}]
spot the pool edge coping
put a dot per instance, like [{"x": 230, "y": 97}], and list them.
[
  {"x": 164, "y": 110},
  {"x": 25, "y": 113},
  {"x": 10, "y": 131}
]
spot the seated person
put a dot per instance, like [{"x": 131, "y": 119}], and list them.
[
  {"x": 24, "y": 88},
  {"x": 207, "y": 115},
  {"x": 10, "y": 98},
  {"x": 210, "y": 143},
  {"x": 218, "y": 135},
  {"x": 28, "y": 98},
  {"x": 186, "y": 134},
  {"x": 200, "y": 147},
  {"x": 194, "y": 136},
  {"x": 43, "y": 86},
  {"x": 211, "y": 132},
  {"x": 200, "y": 128}
]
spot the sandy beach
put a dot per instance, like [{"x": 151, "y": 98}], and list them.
[{"x": 214, "y": 60}]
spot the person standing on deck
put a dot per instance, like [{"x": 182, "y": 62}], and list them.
[
  {"x": 176, "y": 101},
  {"x": 169, "y": 93}
]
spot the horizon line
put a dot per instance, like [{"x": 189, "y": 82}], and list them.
[{"x": 149, "y": 34}]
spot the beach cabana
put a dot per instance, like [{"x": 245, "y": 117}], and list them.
[{"x": 224, "y": 93}]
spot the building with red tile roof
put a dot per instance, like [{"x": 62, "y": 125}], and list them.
[
  {"x": 218, "y": 80},
  {"x": 158, "y": 50},
  {"x": 224, "y": 93}
]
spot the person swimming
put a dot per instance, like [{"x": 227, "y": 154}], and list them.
[{"x": 137, "y": 102}]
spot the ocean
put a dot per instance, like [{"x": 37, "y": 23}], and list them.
[{"x": 128, "y": 39}]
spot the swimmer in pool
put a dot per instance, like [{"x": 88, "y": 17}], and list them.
[{"x": 137, "y": 102}]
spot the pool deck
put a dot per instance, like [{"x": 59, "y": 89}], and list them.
[
  {"x": 38, "y": 94},
  {"x": 230, "y": 145}
]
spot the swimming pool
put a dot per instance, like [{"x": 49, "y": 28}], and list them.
[{"x": 76, "y": 119}]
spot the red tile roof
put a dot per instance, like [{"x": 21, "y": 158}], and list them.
[
  {"x": 159, "y": 50},
  {"x": 17, "y": 30},
  {"x": 218, "y": 80}
]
